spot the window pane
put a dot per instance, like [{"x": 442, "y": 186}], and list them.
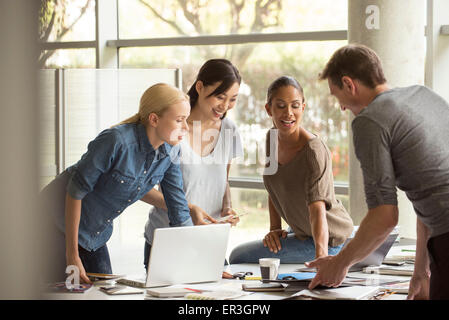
[
  {"x": 147, "y": 18},
  {"x": 260, "y": 64},
  {"x": 96, "y": 99},
  {"x": 67, "y": 20},
  {"x": 256, "y": 224},
  {"x": 67, "y": 58}
]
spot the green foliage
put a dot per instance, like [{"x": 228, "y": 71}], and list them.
[{"x": 54, "y": 23}]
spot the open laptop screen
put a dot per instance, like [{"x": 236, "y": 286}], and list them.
[{"x": 187, "y": 254}]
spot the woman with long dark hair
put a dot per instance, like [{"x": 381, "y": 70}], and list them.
[{"x": 206, "y": 154}]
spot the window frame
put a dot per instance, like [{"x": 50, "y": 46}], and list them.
[{"x": 107, "y": 45}]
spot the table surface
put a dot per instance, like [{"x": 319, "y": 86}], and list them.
[{"x": 224, "y": 284}]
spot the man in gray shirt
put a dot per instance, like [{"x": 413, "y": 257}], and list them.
[{"x": 401, "y": 140}]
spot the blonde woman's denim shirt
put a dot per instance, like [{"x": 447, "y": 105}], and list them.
[{"x": 119, "y": 168}]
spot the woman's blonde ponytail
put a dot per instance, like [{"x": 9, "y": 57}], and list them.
[
  {"x": 156, "y": 99},
  {"x": 134, "y": 119}
]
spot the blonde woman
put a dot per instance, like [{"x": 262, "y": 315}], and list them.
[{"x": 122, "y": 164}]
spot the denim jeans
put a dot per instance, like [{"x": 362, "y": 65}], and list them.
[
  {"x": 292, "y": 250},
  {"x": 146, "y": 255},
  {"x": 96, "y": 261},
  {"x": 93, "y": 261}
]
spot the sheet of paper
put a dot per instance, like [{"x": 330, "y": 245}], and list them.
[{"x": 346, "y": 293}]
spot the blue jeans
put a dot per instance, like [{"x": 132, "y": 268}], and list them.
[
  {"x": 93, "y": 261},
  {"x": 292, "y": 250},
  {"x": 96, "y": 261},
  {"x": 146, "y": 255}
]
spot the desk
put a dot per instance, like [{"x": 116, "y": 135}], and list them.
[{"x": 234, "y": 284}]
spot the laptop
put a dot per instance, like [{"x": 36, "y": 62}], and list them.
[
  {"x": 180, "y": 255},
  {"x": 376, "y": 257}
]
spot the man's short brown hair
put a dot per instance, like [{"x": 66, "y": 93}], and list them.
[{"x": 357, "y": 62}]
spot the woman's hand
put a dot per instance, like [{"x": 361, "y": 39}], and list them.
[
  {"x": 74, "y": 260},
  {"x": 226, "y": 275},
  {"x": 233, "y": 219},
  {"x": 271, "y": 240},
  {"x": 199, "y": 215}
]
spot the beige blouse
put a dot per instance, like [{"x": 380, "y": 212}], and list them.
[{"x": 305, "y": 179}]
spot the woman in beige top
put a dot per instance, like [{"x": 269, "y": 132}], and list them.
[{"x": 301, "y": 191}]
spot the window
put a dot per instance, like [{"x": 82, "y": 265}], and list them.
[
  {"x": 216, "y": 29},
  {"x": 68, "y": 58},
  {"x": 170, "y": 18},
  {"x": 67, "y": 20},
  {"x": 69, "y": 24},
  {"x": 259, "y": 64},
  {"x": 284, "y": 37}
]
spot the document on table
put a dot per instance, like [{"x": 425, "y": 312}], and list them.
[
  {"x": 405, "y": 270},
  {"x": 345, "y": 293}
]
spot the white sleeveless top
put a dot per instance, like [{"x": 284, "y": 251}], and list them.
[{"x": 204, "y": 178}]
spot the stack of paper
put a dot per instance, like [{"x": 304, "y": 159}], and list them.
[
  {"x": 405, "y": 270},
  {"x": 202, "y": 291},
  {"x": 169, "y": 292},
  {"x": 346, "y": 293},
  {"x": 401, "y": 254},
  {"x": 215, "y": 295},
  {"x": 397, "y": 286}
]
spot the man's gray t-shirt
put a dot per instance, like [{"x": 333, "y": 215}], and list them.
[{"x": 402, "y": 139}]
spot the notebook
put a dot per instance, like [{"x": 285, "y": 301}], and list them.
[{"x": 185, "y": 255}]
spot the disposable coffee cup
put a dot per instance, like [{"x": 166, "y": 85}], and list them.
[{"x": 269, "y": 268}]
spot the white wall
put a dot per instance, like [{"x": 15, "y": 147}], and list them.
[{"x": 20, "y": 230}]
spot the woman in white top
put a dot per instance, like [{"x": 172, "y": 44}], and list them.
[{"x": 207, "y": 151}]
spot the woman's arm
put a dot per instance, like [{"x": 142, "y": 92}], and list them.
[
  {"x": 275, "y": 218},
  {"x": 320, "y": 231},
  {"x": 156, "y": 198},
  {"x": 72, "y": 222},
  {"x": 271, "y": 240},
  {"x": 227, "y": 204}
]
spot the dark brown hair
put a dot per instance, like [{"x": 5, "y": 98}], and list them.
[
  {"x": 280, "y": 82},
  {"x": 213, "y": 71},
  {"x": 357, "y": 62}
]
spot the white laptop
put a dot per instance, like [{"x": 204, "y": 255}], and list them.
[{"x": 185, "y": 255}]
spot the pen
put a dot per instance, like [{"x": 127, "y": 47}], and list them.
[
  {"x": 232, "y": 216},
  {"x": 408, "y": 250},
  {"x": 253, "y": 278}
]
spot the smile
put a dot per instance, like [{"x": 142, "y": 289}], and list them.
[
  {"x": 217, "y": 114},
  {"x": 288, "y": 123}
]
